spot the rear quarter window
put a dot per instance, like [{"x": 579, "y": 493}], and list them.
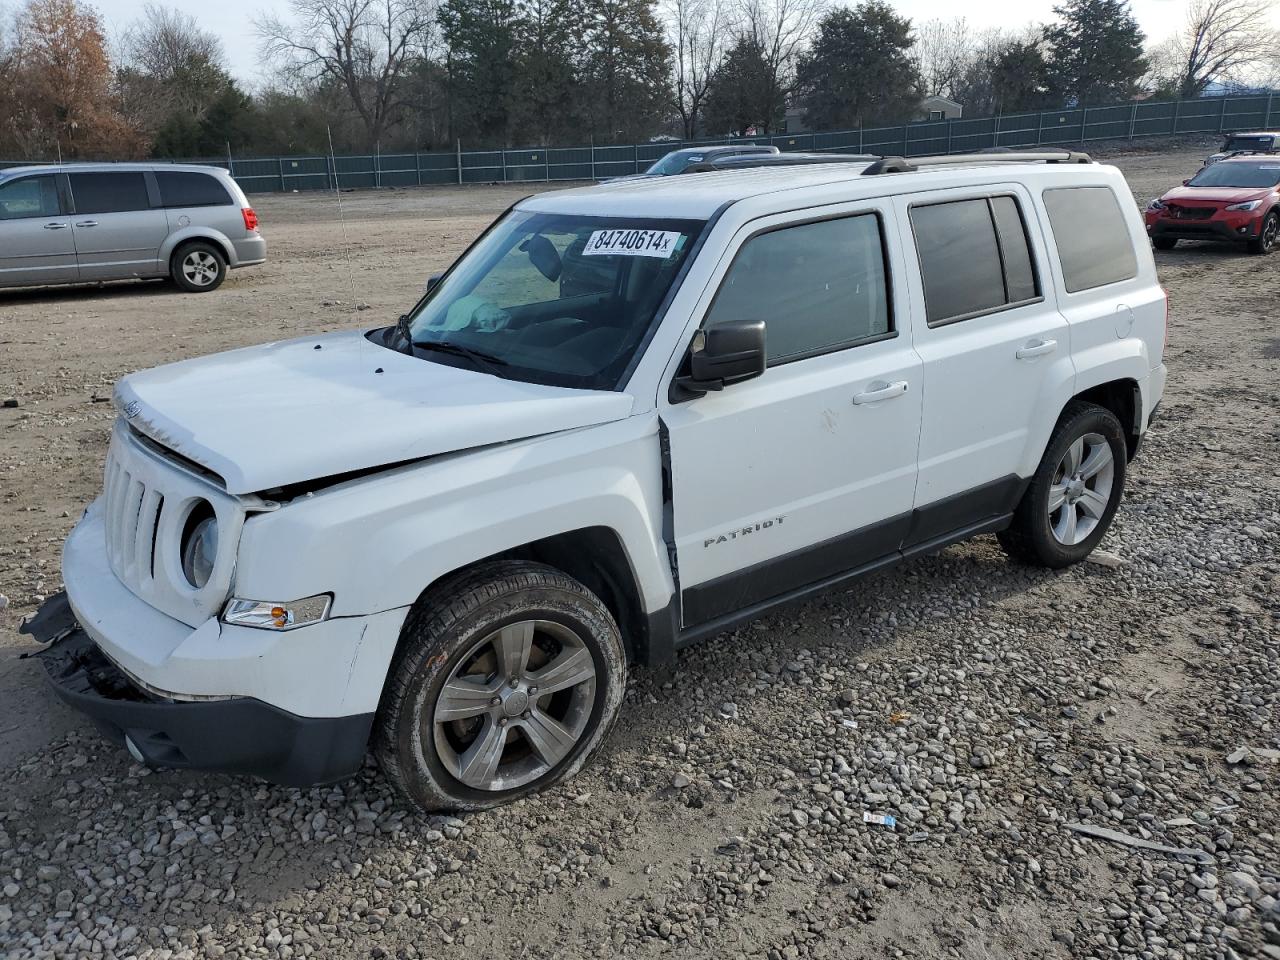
[
  {"x": 1092, "y": 237},
  {"x": 191, "y": 190}
]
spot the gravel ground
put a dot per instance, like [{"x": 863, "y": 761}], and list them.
[{"x": 990, "y": 708}]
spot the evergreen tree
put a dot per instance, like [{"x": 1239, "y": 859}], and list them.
[
  {"x": 544, "y": 103},
  {"x": 480, "y": 37},
  {"x": 1094, "y": 52},
  {"x": 626, "y": 69},
  {"x": 743, "y": 92},
  {"x": 859, "y": 70},
  {"x": 1019, "y": 78}
]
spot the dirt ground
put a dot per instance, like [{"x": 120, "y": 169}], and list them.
[{"x": 1190, "y": 611}]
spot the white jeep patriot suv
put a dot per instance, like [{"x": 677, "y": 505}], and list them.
[{"x": 629, "y": 417}]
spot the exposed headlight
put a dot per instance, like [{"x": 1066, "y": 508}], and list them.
[
  {"x": 1156, "y": 204},
  {"x": 272, "y": 615},
  {"x": 200, "y": 547},
  {"x": 1247, "y": 205}
]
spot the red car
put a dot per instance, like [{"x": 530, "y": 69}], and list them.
[{"x": 1234, "y": 199}]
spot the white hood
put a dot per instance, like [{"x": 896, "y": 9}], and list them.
[{"x": 281, "y": 413}]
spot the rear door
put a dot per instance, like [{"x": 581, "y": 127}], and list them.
[
  {"x": 118, "y": 229},
  {"x": 190, "y": 198},
  {"x": 807, "y": 471},
  {"x": 36, "y": 241},
  {"x": 996, "y": 352}
]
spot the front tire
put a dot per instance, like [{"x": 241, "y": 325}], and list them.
[
  {"x": 198, "y": 267},
  {"x": 1074, "y": 493},
  {"x": 507, "y": 679},
  {"x": 1268, "y": 238},
  {"x": 1164, "y": 243}
]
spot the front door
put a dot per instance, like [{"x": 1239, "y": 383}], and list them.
[
  {"x": 117, "y": 233},
  {"x": 36, "y": 241},
  {"x": 808, "y": 471}
]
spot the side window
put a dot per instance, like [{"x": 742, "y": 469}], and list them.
[
  {"x": 974, "y": 257},
  {"x": 817, "y": 286},
  {"x": 29, "y": 197},
  {"x": 1092, "y": 237},
  {"x": 109, "y": 192},
  {"x": 191, "y": 190}
]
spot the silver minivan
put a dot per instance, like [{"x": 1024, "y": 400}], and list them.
[{"x": 84, "y": 223}]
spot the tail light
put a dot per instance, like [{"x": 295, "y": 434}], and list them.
[{"x": 250, "y": 218}]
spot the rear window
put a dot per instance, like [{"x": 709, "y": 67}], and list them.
[
  {"x": 1093, "y": 239},
  {"x": 109, "y": 192},
  {"x": 974, "y": 257},
  {"x": 191, "y": 190}
]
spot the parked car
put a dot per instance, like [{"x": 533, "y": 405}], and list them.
[
  {"x": 85, "y": 223},
  {"x": 627, "y": 419},
  {"x": 1236, "y": 199},
  {"x": 791, "y": 159},
  {"x": 678, "y": 161},
  {"x": 1259, "y": 141}
]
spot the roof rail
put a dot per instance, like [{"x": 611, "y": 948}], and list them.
[{"x": 903, "y": 165}]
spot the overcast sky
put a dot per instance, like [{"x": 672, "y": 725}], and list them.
[{"x": 232, "y": 20}]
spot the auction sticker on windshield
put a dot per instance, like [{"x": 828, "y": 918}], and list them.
[{"x": 632, "y": 243}]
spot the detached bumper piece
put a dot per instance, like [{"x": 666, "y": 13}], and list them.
[{"x": 239, "y": 735}]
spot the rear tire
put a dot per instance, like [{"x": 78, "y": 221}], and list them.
[
  {"x": 198, "y": 267},
  {"x": 1074, "y": 493},
  {"x": 508, "y": 677},
  {"x": 1164, "y": 243},
  {"x": 1268, "y": 238}
]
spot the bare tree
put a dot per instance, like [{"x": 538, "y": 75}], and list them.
[
  {"x": 944, "y": 50},
  {"x": 698, "y": 30},
  {"x": 1222, "y": 40},
  {"x": 781, "y": 29},
  {"x": 168, "y": 65},
  {"x": 366, "y": 48}
]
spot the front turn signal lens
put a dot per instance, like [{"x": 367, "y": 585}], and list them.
[{"x": 273, "y": 615}]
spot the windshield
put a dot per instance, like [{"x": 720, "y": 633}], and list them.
[
  {"x": 560, "y": 299},
  {"x": 1235, "y": 174},
  {"x": 1247, "y": 143},
  {"x": 674, "y": 162}
]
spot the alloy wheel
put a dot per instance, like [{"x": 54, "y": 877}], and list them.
[
  {"x": 200, "y": 268},
  {"x": 1081, "y": 489},
  {"x": 514, "y": 706}
]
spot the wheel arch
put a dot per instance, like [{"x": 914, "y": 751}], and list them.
[
  {"x": 1123, "y": 397},
  {"x": 197, "y": 235},
  {"x": 596, "y": 558}
]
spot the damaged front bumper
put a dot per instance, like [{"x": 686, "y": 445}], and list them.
[{"x": 231, "y": 735}]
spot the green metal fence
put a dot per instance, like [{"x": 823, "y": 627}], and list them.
[{"x": 1124, "y": 121}]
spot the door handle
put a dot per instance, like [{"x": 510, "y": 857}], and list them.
[
  {"x": 881, "y": 391},
  {"x": 55, "y": 226},
  {"x": 87, "y": 223},
  {"x": 1037, "y": 349}
]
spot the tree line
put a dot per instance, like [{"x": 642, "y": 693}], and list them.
[{"x": 395, "y": 75}]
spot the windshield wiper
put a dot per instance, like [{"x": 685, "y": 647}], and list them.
[{"x": 480, "y": 359}]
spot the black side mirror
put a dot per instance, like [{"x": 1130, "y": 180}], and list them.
[
  {"x": 1186, "y": 182},
  {"x": 719, "y": 356},
  {"x": 433, "y": 282}
]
